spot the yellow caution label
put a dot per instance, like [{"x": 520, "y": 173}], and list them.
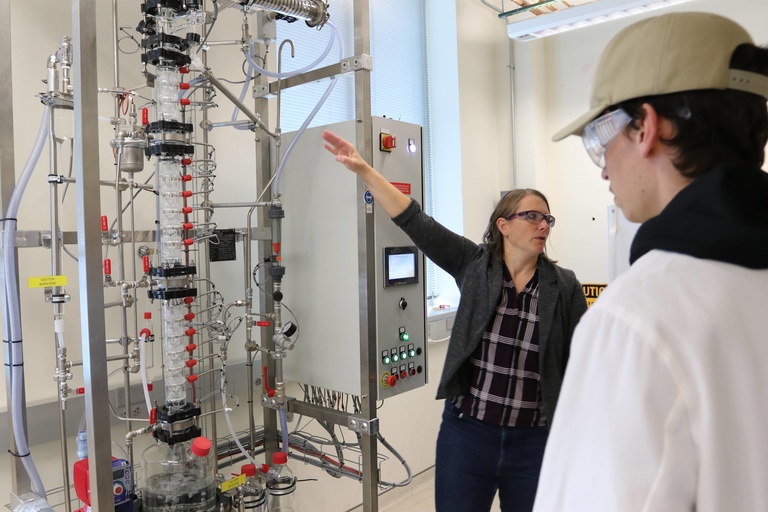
[
  {"x": 592, "y": 291},
  {"x": 47, "y": 281},
  {"x": 232, "y": 483}
]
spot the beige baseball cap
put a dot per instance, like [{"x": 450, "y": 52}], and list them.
[{"x": 682, "y": 51}]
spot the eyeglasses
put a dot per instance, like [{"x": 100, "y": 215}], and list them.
[
  {"x": 534, "y": 217},
  {"x": 601, "y": 131}
]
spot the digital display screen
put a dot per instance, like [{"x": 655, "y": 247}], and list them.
[{"x": 401, "y": 266}]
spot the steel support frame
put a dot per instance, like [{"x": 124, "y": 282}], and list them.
[
  {"x": 93, "y": 328},
  {"x": 264, "y": 249},
  {"x": 366, "y": 268}
]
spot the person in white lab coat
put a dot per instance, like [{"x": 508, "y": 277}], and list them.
[{"x": 664, "y": 405}]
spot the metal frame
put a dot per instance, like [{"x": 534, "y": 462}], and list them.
[
  {"x": 366, "y": 270},
  {"x": 93, "y": 328}
]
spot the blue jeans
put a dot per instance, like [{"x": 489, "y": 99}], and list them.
[{"x": 475, "y": 459}]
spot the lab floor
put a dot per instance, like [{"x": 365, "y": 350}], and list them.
[{"x": 419, "y": 496}]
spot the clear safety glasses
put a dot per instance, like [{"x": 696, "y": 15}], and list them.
[
  {"x": 601, "y": 131},
  {"x": 534, "y": 217}
]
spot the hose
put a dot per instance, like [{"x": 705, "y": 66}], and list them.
[
  {"x": 289, "y": 150},
  {"x": 15, "y": 350},
  {"x": 288, "y": 74},
  {"x": 283, "y": 428},
  {"x": 143, "y": 365}
]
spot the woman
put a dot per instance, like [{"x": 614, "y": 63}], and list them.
[{"x": 509, "y": 344}]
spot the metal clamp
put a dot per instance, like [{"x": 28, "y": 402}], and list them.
[
  {"x": 363, "y": 426},
  {"x": 357, "y": 62}
]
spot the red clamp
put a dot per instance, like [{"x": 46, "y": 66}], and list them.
[{"x": 270, "y": 392}]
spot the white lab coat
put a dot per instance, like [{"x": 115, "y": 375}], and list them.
[{"x": 664, "y": 406}]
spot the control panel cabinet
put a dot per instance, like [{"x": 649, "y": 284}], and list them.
[{"x": 329, "y": 218}]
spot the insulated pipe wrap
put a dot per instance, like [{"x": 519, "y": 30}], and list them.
[{"x": 312, "y": 11}]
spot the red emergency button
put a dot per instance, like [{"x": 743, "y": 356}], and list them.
[
  {"x": 387, "y": 142},
  {"x": 392, "y": 380}
]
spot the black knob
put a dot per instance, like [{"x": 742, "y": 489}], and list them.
[
  {"x": 403, "y": 303},
  {"x": 278, "y": 296}
]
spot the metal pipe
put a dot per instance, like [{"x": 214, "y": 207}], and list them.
[
  {"x": 256, "y": 118},
  {"x": 240, "y": 205},
  {"x": 121, "y": 278},
  {"x": 57, "y": 307}
]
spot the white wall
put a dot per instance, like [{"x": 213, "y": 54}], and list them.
[{"x": 552, "y": 81}]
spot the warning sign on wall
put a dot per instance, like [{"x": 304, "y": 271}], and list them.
[{"x": 592, "y": 291}]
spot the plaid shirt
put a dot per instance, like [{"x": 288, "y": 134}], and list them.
[{"x": 504, "y": 368}]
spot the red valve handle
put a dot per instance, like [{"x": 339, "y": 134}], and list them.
[
  {"x": 185, "y": 101},
  {"x": 270, "y": 392},
  {"x": 107, "y": 267},
  {"x": 189, "y": 300},
  {"x": 104, "y": 224},
  {"x": 186, "y": 210},
  {"x": 145, "y": 116},
  {"x": 147, "y": 266},
  {"x": 186, "y": 161},
  {"x": 184, "y": 86},
  {"x": 191, "y": 331},
  {"x": 191, "y": 362},
  {"x": 192, "y": 378},
  {"x": 191, "y": 347},
  {"x": 189, "y": 316}
]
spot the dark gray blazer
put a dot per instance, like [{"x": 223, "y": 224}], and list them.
[{"x": 479, "y": 277}]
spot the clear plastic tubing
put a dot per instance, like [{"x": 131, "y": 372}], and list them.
[
  {"x": 289, "y": 150},
  {"x": 288, "y": 74}
]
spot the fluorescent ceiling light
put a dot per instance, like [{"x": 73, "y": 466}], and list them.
[{"x": 581, "y": 16}]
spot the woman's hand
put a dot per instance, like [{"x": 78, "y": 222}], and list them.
[
  {"x": 387, "y": 196},
  {"x": 345, "y": 152}
]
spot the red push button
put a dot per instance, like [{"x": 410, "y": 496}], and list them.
[
  {"x": 392, "y": 381},
  {"x": 387, "y": 142}
]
